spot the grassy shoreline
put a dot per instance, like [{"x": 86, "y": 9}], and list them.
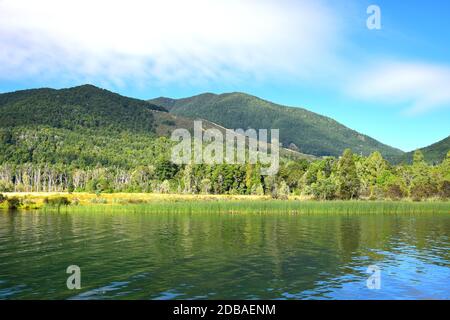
[{"x": 152, "y": 202}]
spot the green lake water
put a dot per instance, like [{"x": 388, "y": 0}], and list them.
[{"x": 138, "y": 255}]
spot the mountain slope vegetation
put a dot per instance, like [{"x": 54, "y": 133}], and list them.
[
  {"x": 80, "y": 107},
  {"x": 300, "y": 129},
  {"x": 86, "y": 126},
  {"x": 83, "y": 126},
  {"x": 434, "y": 153}
]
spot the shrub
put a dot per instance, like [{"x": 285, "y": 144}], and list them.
[
  {"x": 6, "y": 186},
  {"x": 444, "y": 189},
  {"x": 2, "y": 198},
  {"x": 376, "y": 193},
  {"x": 164, "y": 187},
  {"x": 421, "y": 191},
  {"x": 57, "y": 202},
  {"x": 257, "y": 189},
  {"x": 324, "y": 188},
  {"x": 281, "y": 191},
  {"x": 422, "y": 187},
  {"x": 394, "y": 191},
  {"x": 205, "y": 186},
  {"x": 14, "y": 203},
  {"x": 70, "y": 188},
  {"x": 28, "y": 203}
]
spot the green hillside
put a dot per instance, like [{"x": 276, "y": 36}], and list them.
[
  {"x": 83, "y": 126},
  {"x": 300, "y": 129},
  {"x": 79, "y": 107},
  {"x": 86, "y": 126},
  {"x": 434, "y": 153}
]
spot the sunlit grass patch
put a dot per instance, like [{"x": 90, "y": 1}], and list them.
[{"x": 153, "y": 202}]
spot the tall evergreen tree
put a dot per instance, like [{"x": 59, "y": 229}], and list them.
[{"x": 348, "y": 182}]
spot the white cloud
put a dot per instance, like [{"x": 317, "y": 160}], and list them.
[
  {"x": 421, "y": 86},
  {"x": 165, "y": 41}
]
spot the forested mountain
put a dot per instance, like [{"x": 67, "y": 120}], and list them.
[
  {"x": 300, "y": 129},
  {"x": 82, "y": 138},
  {"x": 83, "y": 126},
  {"x": 80, "y": 107},
  {"x": 434, "y": 153}
]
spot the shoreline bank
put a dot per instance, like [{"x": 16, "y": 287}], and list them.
[{"x": 153, "y": 202}]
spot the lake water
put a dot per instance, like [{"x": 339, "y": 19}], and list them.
[{"x": 138, "y": 255}]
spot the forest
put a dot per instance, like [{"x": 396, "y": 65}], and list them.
[{"x": 349, "y": 176}]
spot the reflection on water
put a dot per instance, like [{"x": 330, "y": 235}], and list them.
[{"x": 138, "y": 255}]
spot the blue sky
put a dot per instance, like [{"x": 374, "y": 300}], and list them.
[{"x": 392, "y": 84}]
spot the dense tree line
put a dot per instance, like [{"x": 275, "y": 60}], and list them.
[{"x": 348, "y": 177}]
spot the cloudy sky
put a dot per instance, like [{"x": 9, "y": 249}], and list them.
[{"x": 392, "y": 84}]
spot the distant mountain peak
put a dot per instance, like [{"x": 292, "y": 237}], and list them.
[{"x": 86, "y": 85}]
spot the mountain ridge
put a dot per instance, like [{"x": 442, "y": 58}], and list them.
[
  {"x": 86, "y": 126},
  {"x": 324, "y": 135},
  {"x": 89, "y": 107}
]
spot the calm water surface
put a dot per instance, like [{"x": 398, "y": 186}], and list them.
[{"x": 138, "y": 255}]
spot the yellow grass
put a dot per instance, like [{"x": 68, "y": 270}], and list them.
[
  {"x": 36, "y": 199},
  {"x": 143, "y": 196}
]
